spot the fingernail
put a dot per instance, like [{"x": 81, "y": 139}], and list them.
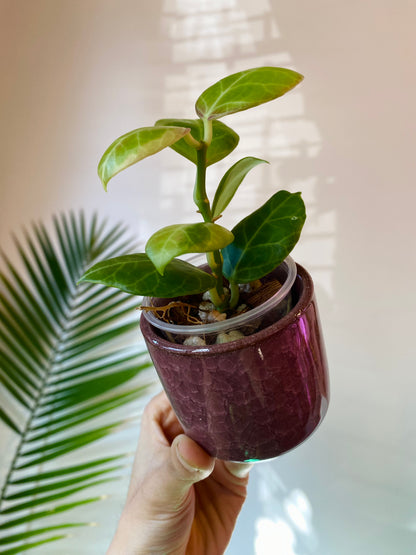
[
  {"x": 237, "y": 469},
  {"x": 186, "y": 464}
]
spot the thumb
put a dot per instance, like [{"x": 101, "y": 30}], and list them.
[
  {"x": 188, "y": 464},
  {"x": 190, "y": 461}
]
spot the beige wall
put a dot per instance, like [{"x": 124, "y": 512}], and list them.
[{"x": 76, "y": 74}]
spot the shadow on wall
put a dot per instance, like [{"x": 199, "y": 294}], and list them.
[{"x": 207, "y": 41}]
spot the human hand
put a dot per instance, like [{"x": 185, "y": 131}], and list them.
[{"x": 180, "y": 501}]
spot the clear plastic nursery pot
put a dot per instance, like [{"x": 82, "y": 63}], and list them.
[{"x": 255, "y": 397}]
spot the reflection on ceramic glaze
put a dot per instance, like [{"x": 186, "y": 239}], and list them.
[{"x": 304, "y": 334}]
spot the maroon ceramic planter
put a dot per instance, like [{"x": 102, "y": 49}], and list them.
[{"x": 254, "y": 398}]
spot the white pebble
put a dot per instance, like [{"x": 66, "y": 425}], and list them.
[
  {"x": 205, "y": 309},
  {"x": 216, "y": 316},
  {"x": 245, "y": 287},
  {"x": 206, "y": 296},
  {"x": 228, "y": 337},
  {"x": 194, "y": 340}
]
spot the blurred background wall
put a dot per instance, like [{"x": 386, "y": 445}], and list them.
[{"x": 75, "y": 74}]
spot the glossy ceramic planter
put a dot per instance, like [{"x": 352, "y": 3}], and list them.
[{"x": 254, "y": 398}]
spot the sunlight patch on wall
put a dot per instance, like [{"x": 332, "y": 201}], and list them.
[
  {"x": 286, "y": 522},
  {"x": 274, "y": 536}
]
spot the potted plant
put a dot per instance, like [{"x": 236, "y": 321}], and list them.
[{"x": 235, "y": 337}]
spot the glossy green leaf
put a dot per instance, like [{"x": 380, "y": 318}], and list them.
[
  {"x": 137, "y": 275},
  {"x": 224, "y": 139},
  {"x": 134, "y": 146},
  {"x": 244, "y": 90},
  {"x": 230, "y": 182},
  {"x": 174, "y": 240},
  {"x": 264, "y": 238}
]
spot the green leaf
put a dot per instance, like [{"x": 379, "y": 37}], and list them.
[
  {"x": 74, "y": 418},
  {"x": 4, "y": 540},
  {"x": 49, "y": 498},
  {"x": 137, "y": 275},
  {"x": 224, "y": 139},
  {"x": 230, "y": 182},
  {"x": 174, "y": 240},
  {"x": 10, "y": 385},
  {"x": 9, "y": 421},
  {"x": 63, "y": 353},
  {"x": 67, "y": 446},
  {"x": 88, "y": 389},
  {"x": 73, "y": 441},
  {"x": 134, "y": 146},
  {"x": 88, "y": 366},
  {"x": 19, "y": 292},
  {"x": 244, "y": 90},
  {"x": 264, "y": 238},
  {"x": 61, "y": 484},
  {"x": 43, "y": 514},
  {"x": 27, "y": 546},
  {"x": 66, "y": 470}
]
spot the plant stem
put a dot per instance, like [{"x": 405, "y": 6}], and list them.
[
  {"x": 214, "y": 258},
  {"x": 192, "y": 142},
  {"x": 207, "y": 131},
  {"x": 200, "y": 193},
  {"x": 217, "y": 293},
  {"x": 235, "y": 294}
]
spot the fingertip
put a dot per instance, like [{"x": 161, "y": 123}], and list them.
[
  {"x": 192, "y": 457},
  {"x": 238, "y": 469}
]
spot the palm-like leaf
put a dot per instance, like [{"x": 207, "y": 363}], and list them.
[{"x": 63, "y": 368}]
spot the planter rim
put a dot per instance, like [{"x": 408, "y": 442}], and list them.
[
  {"x": 305, "y": 298},
  {"x": 235, "y": 321}
]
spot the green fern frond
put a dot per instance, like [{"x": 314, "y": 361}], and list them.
[{"x": 64, "y": 368}]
